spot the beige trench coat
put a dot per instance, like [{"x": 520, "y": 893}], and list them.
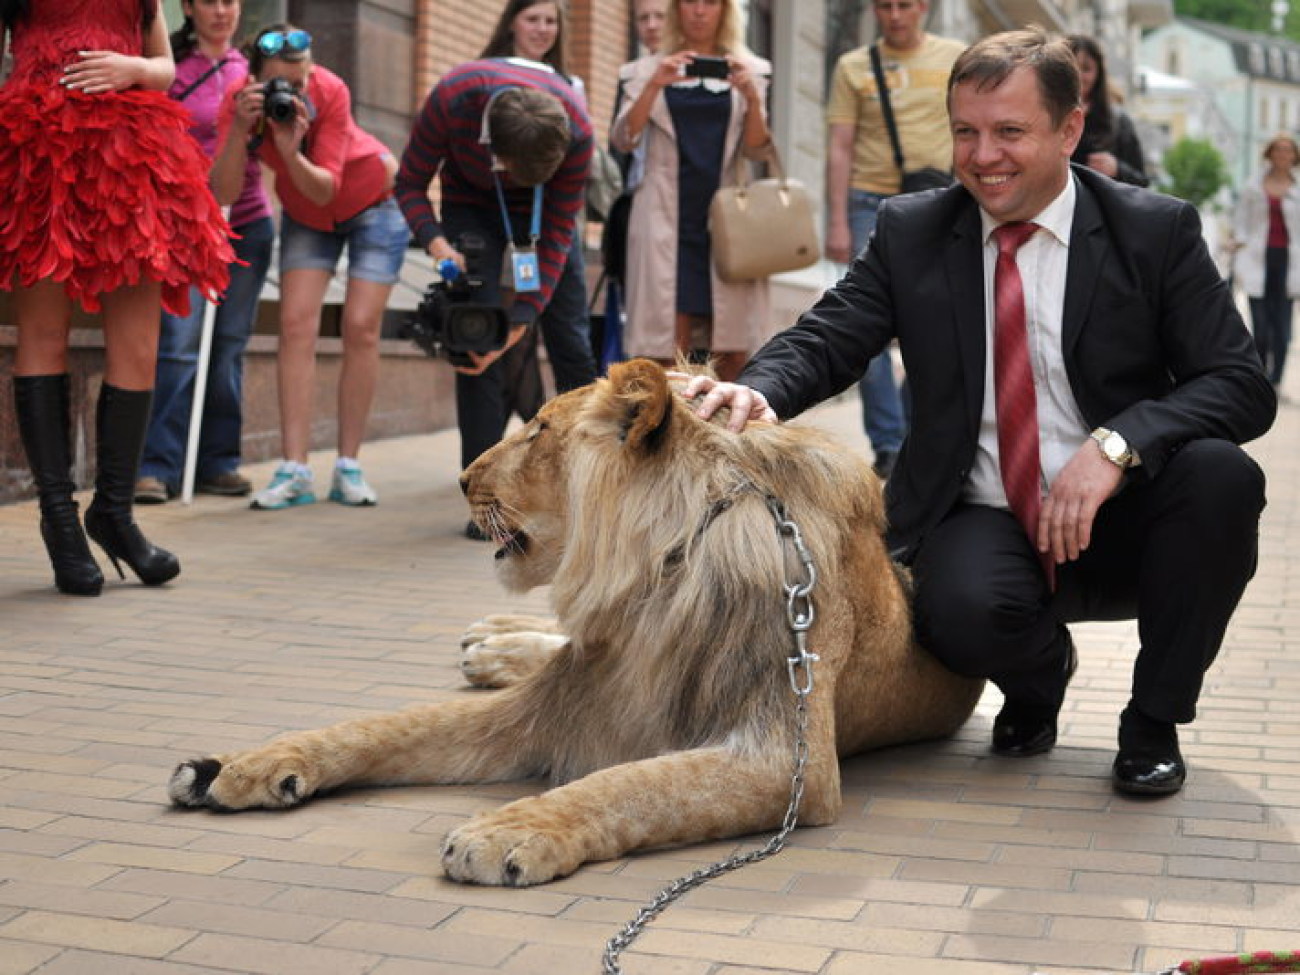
[{"x": 741, "y": 316}]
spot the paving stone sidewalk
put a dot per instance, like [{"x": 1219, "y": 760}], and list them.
[{"x": 947, "y": 860}]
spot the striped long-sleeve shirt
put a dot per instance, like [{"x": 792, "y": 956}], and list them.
[{"x": 445, "y": 144}]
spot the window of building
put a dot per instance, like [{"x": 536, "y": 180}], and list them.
[
  {"x": 1256, "y": 59},
  {"x": 1293, "y": 65},
  {"x": 1275, "y": 62}
]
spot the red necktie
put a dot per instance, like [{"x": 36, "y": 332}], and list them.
[{"x": 1013, "y": 380}]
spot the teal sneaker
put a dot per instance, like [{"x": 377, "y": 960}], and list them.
[
  {"x": 350, "y": 487},
  {"x": 289, "y": 487}
]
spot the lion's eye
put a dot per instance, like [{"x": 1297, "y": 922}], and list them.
[{"x": 538, "y": 427}]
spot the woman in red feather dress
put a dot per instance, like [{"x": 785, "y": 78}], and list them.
[{"x": 105, "y": 203}]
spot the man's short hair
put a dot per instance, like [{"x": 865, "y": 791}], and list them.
[
  {"x": 991, "y": 60},
  {"x": 530, "y": 132}
]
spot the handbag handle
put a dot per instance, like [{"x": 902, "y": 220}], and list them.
[{"x": 773, "y": 158}]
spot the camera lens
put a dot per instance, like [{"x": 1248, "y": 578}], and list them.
[
  {"x": 279, "y": 101},
  {"x": 475, "y": 328}
]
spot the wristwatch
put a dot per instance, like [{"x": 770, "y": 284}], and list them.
[{"x": 1113, "y": 447}]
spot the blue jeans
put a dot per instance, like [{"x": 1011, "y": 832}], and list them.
[
  {"x": 882, "y": 404},
  {"x": 178, "y": 359}
]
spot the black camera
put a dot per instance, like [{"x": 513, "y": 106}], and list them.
[
  {"x": 451, "y": 321},
  {"x": 278, "y": 97},
  {"x": 706, "y": 66}
]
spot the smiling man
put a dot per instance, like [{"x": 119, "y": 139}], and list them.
[{"x": 1081, "y": 381}]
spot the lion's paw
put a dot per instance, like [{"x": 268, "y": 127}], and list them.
[
  {"x": 499, "y": 623},
  {"x": 230, "y": 786},
  {"x": 506, "y": 856},
  {"x": 506, "y": 658}
]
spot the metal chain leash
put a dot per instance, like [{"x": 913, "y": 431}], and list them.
[{"x": 799, "y": 616}]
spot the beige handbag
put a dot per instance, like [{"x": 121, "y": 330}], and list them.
[{"x": 762, "y": 227}]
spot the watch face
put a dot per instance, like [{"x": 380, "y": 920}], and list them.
[{"x": 1115, "y": 447}]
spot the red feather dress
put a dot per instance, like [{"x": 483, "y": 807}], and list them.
[{"x": 100, "y": 191}]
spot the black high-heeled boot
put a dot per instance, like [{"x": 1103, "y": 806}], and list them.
[
  {"x": 121, "y": 421},
  {"x": 43, "y": 420}
]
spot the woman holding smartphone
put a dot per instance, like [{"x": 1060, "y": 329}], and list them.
[{"x": 695, "y": 107}]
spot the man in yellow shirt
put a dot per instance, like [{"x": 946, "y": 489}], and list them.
[{"x": 861, "y": 169}]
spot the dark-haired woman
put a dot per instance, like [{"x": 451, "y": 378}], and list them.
[
  {"x": 106, "y": 204},
  {"x": 1110, "y": 143},
  {"x": 207, "y": 64}
]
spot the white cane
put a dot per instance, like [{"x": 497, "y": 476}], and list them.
[
  {"x": 196, "y": 406},
  {"x": 200, "y": 391}
]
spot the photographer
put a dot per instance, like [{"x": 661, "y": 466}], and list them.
[
  {"x": 510, "y": 144},
  {"x": 692, "y": 109},
  {"x": 335, "y": 184}
]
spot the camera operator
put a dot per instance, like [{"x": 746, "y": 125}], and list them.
[
  {"x": 510, "y": 144},
  {"x": 335, "y": 185}
]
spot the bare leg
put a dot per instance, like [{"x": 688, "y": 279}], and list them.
[
  {"x": 302, "y": 293},
  {"x": 44, "y": 316},
  {"x": 363, "y": 312},
  {"x": 132, "y": 322}
]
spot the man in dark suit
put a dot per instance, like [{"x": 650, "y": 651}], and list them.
[{"x": 1144, "y": 381}]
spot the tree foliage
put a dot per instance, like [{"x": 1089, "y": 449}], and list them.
[
  {"x": 1195, "y": 171},
  {"x": 1256, "y": 16}
]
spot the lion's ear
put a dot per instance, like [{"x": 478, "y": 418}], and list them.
[{"x": 640, "y": 389}]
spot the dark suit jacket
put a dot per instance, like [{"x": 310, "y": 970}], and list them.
[{"x": 1154, "y": 346}]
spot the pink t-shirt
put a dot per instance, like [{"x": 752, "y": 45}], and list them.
[{"x": 354, "y": 157}]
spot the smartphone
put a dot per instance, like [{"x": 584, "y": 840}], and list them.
[{"x": 704, "y": 66}]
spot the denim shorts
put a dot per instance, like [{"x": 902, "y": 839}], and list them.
[{"x": 376, "y": 240}]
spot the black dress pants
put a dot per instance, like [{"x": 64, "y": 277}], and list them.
[{"x": 1175, "y": 552}]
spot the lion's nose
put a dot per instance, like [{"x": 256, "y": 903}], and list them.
[{"x": 464, "y": 483}]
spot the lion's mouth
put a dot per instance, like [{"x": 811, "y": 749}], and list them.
[{"x": 510, "y": 543}]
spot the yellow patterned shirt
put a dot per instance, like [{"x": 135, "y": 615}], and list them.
[{"x": 918, "y": 89}]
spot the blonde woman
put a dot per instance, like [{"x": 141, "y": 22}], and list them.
[
  {"x": 695, "y": 106},
  {"x": 1266, "y": 239}
]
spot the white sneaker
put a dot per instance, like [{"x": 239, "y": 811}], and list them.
[
  {"x": 290, "y": 486},
  {"x": 350, "y": 487}
]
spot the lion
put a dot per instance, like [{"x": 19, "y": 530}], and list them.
[{"x": 660, "y": 703}]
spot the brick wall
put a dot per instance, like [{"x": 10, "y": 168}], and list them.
[{"x": 598, "y": 44}]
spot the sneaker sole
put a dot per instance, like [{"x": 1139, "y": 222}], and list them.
[
  {"x": 337, "y": 497},
  {"x": 291, "y": 503}
]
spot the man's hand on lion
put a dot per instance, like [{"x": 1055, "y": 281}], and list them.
[{"x": 747, "y": 404}]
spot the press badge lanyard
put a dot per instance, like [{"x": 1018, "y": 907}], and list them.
[{"x": 522, "y": 262}]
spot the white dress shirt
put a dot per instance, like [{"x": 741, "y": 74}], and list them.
[{"x": 1061, "y": 428}]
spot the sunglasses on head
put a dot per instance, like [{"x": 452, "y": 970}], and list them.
[{"x": 283, "y": 42}]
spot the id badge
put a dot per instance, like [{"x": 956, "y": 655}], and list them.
[{"x": 524, "y": 272}]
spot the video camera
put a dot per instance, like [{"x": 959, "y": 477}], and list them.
[{"x": 450, "y": 321}]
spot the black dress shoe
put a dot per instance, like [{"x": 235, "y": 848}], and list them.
[
  {"x": 1020, "y": 731},
  {"x": 1149, "y": 762},
  {"x": 1146, "y": 774}
]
